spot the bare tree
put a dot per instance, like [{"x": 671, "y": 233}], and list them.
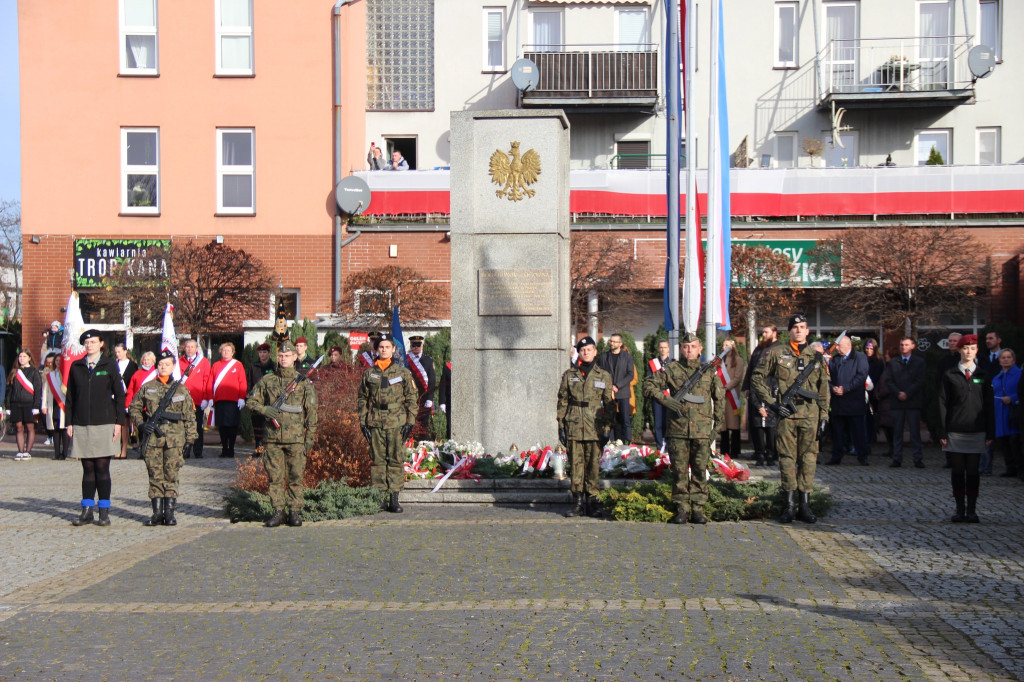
[
  {"x": 902, "y": 277},
  {"x": 602, "y": 266},
  {"x": 763, "y": 286},
  {"x": 10, "y": 259},
  {"x": 211, "y": 286},
  {"x": 371, "y": 294}
]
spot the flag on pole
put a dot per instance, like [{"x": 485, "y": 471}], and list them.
[
  {"x": 673, "y": 101},
  {"x": 719, "y": 257},
  {"x": 169, "y": 340},
  {"x": 71, "y": 349},
  {"x": 692, "y": 265},
  {"x": 396, "y": 331}
]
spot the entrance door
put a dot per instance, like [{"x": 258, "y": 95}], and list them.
[{"x": 841, "y": 37}]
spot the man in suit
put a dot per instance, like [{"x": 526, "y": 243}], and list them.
[
  {"x": 196, "y": 385},
  {"x": 848, "y": 371},
  {"x": 658, "y": 364},
  {"x": 906, "y": 398},
  {"x": 989, "y": 359},
  {"x": 422, "y": 368}
]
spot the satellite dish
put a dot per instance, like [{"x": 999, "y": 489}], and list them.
[
  {"x": 981, "y": 60},
  {"x": 352, "y": 195},
  {"x": 525, "y": 75}
]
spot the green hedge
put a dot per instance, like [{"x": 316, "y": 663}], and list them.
[{"x": 329, "y": 500}]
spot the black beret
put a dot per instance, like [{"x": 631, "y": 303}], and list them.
[
  {"x": 165, "y": 354},
  {"x": 385, "y": 336},
  {"x": 795, "y": 320},
  {"x": 585, "y": 341},
  {"x": 89, "y": 334}
]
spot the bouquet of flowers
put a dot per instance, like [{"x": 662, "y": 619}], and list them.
[
  {"x": 730, "y": 468},
  {"x": 421, "y": 460},
  {"x": 632, "y": 461}
]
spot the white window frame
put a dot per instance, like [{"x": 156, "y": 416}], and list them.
[
  {"x": 795, "y": 63},
  {"x": 359, "y": 293},
  {"x": 998, "y": 132},
  {"x": 127, "y": 170},
  {"x": 531, "y": 15},
  {"x": 233, "y": 31},
  {"x": 124, "y": 30},
  {"x": 645, "y": 39},
  {"x": 947, "y": 160},
  {"x": 487, "y": 66},
  {"x": 223, "y": 170},
  {"x": 998, "y": 47},
  {"x": 788, "y": 138}
]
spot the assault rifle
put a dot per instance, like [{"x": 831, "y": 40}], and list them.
[
  {"x": 683, "y": 394},
  {"x": 162, "y": 416},
  {"x": 290, "y": 388},
  {"x": 797, "y": 390}
]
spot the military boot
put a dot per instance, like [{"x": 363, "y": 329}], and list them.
[
  {"x": 294, "y": 519},
  {"x": 394, "y": 507},
  {"x": 789, "y": 512},
  {"x": 681, "y": 517},
  {"x": 85, "y": 518},
  {"x": 697, "y": 516},
  {"x": 595, "y": 509},
  {"x": 578, "y": 506},
  {"x": 805, "y": 513},
  {"x": 158, "y": 512},
  {"x": 104, "y": 519},
  {"x": 169, "y": 504},
  {"x": 276, "y": 520},
  {"x": 959, "y": 516},
  {"x": 972, "y": 515}
]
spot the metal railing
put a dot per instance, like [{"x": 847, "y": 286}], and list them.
[
  {"x": 894, "y": 65},
  {"x": 594, "y": 70}
]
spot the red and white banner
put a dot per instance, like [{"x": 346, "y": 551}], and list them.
[
  {"x": 71, "y": 349},
  {"x": 418, "y": 373},
  {"x": 169, "y": 340},
  {"x": 25, "y": 383}
]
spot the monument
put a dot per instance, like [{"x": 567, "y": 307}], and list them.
[{"x": 510, "y": 275}]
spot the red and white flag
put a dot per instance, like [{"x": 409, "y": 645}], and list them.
[
  {"x": 169, "y": 340},
  {"x": 71, "y": 349}
]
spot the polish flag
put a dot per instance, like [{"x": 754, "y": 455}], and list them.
[
  {"x": 169, "y": 340},
  {"x": 71, "y": 349}
]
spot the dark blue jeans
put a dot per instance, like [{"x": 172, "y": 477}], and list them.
[{"x": 911, "y": 418}]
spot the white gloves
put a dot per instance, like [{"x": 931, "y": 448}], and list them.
[
  {"x": 206, "y": 403},
  {"x": 428, "y": 403},
  {"x": 241, "y": 403},
  {"x": 444, "y": 408},
  {"x": 35, "y": 411}
]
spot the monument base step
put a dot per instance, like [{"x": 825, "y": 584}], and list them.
[{"x": 522, "y": 491}]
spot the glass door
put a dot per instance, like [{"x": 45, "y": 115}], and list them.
[
  {"x": 841, "y": 36},
  {"x": 935, "y": 44}
]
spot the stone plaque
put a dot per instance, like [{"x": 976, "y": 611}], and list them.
[{"x": 515, "y": 292}]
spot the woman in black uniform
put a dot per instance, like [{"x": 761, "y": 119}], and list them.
[{"x": 24, "y": 398}]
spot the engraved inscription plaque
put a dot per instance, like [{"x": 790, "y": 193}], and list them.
[{"x": 515, "y": 292}]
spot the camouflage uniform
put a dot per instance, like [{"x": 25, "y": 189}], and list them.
[
  {"x": 689, "y": 435},
  {"x": 164, "y": 455},
  {"x": 285, "y": 454},
  {"x": 388, "y": 400},
  {"x": 579, "y": 402},
  {"x": 797, "y": 437}
]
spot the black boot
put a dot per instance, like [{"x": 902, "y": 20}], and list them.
[
  {"x": 578, "y": 507},
  {"x": 959, "y": 516},
  {"x": 805, "y": 513},
  {"x": 682, "y": 516},
  {"x": 789, "y": 512},
  {"x": 104, "y": 519},
  {"x": 294, "y": 519},
  {"x": 385, "y": 503},
  {"x": 595, "y": 509},
  {"x": 697, "y": 516},
  {"x": 394, "y": 507},
  {"x": 972, "y": 515},
  {"x": 85, "y": 518},
  {"x": 169, "y": 503},
  {"x": 276, "y": 520},
  {"x": 158, "y": 512},
  {"x": 759, "y": 459}
]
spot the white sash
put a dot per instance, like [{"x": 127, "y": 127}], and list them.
[
  {"x": 223, "y": 373},
  {"x": 58, "y": 392},
  {"x": 25, "y": 383},
  {"x": 149, "y": 377}
]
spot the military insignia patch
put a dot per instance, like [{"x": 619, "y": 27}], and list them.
[{"x": 514, "y": 172}]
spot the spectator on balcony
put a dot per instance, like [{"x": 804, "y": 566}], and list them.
[
  {"x": 398, "y": 163},
  {"x": 375, "y": 158}
]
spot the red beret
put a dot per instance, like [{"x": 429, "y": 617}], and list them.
[
  {"x": 334, "y": 348},
  {"x": 302, "y": 339},
  {"x": 967, "y": 340},
  {"x": 263, "y": 346}
]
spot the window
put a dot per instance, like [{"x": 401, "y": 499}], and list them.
[
  {"x": 234, "y": 38},
  {"x": 633, "y": 154},
  {"x": 990, "y": 26},
  {"x": 138, "y": 46},
  {"x": 372, "y": 302},
  {"x": 785, "y": 150},
  {"x": 547, "y": 29},
  {"x": 785, "y": 35},
  {"x": 989, "y": 145},
  {"x": 842, "y": 38},
  {"x": 939, "y": 140},
  {"x": 935, "y": 47},
  {"x": 235, "y": 171},
  {"x": 289, "y": 301},
  {"x": 494, "y": 39},
  {"x": 400, "y": 55},
  {"x": 632, "y": 29},
  {"x": 140, "y": 171}
]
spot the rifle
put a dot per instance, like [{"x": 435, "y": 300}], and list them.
[
  {"x": 684, "y": 391},
  {"x": 797, "y": 389},
  {"x": 161, "y": 414},
  {"x": 290, "y": 388}
]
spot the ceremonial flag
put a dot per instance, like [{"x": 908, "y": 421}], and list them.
[
  {"x": 71, "y": 349},
  {"x": 396, "y": 331},
  {"x": 692, "y": 265},
  {"x": 169, "y": 340},
  {"x": 673, "y": 105},
  {"x": 719, "y": 260}
]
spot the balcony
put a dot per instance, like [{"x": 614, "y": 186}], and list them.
[
  {"x": 599, "y": 76},
  {"x": 879, "y": 73}
]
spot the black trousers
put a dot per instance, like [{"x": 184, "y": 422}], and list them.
[
  {"x": 196, "y": 448},
  {"x": 762, "y": 438},
  {"x": 965, "y": 475},
  {"x": 623, "y": 421}
]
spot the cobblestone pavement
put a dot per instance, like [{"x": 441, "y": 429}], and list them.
[{"x": 883, "y": 588}]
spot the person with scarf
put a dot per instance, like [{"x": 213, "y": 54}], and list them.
[
  {"x": 227, "y": 389},
  {"x": 24, "y": 400},
  {"x": 1006, "y": 402},
  {"x": 53, "y": 408}
]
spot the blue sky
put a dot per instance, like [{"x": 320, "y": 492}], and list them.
[{"x": 10, "y": 142}]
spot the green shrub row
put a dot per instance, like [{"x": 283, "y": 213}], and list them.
[{"x": 328, "y": 500}]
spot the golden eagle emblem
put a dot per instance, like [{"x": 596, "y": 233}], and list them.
[{"x": 514, "y": 173}]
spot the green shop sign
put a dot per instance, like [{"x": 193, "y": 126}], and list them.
[
  {"x": 95, "y": 258},
  {"x": 799, "y": 253}
]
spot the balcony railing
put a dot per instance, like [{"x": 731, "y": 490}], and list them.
[
  {"x": 890, "y": 68},
  {"x": 594, "y": 71}
]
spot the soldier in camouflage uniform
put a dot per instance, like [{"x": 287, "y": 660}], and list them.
[
  {"x": 586, "y": 406},
  {"x": 163, "y": 454},
  {"x": 692, "y": 426},
  {"x": 388, "y": 402},
  {"x": 796, "y": 439},
  {"x": 287, "y": 445}
]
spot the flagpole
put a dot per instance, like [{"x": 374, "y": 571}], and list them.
[
  {"x": 691, "y": 273},
  {"x": 672, "y": 96},
  {"x": 712, "y": 263}
]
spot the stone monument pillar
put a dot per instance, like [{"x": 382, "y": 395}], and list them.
[{"x": 510, "y": 275}]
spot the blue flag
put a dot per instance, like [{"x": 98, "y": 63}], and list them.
[{"x": 396, "y": 331}]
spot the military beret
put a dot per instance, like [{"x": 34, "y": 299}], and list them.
[
  {"x": 585, "y": 341},
  {"x": 968, "y": 340},
  {"x": 688, "y": 337},
  {"x": 302, "y": 339},
  {"x": 164, "y": 354},
  {"x": 263, "y": 346},
  {"x": 89, "y": 334},
  {"x": 415, "y": 340},
  {"x": 795, "y": 320},
  {"x": 386, "y": 337},
  {"x": 334, "y": 348},
  {"x": 286, "y": 347}
]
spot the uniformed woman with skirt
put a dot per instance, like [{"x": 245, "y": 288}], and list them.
[
  {"x": 24, "y": 398},
  {"x": 96, "y": 414}
]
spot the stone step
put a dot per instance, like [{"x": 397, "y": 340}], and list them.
[{"x": 498, "y": 491}]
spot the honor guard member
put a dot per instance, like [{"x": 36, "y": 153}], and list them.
[
  {"x": 800, "y": 419},
  {"x": 163, "y": 453},
  {"x": 422, "y": 368},
  {"x": 287, "y": 444},
  {"x": 387, "y": 405},
  {"x": 586, "y": 406},
  {"x": 692, "y": 426},
  {"x": 303, "y": 362}
]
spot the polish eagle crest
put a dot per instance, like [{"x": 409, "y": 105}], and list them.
[{"x": 514, "y": 173}]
